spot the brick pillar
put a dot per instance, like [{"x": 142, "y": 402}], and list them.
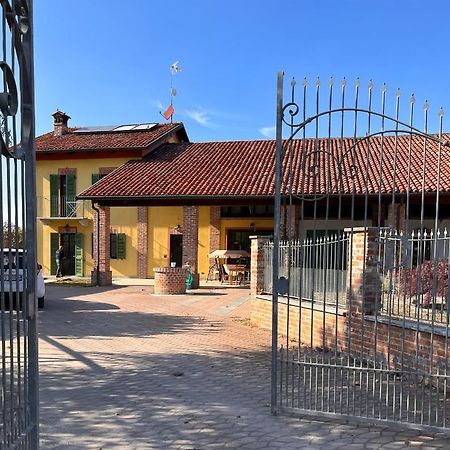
[
  {"x": 105, "y": 274},
  {"x": 190, "y": 240},
  {"x": 214, "y": 230},
  {"x": 289, "y": 229},
  {"x": 142, "y": 241},
  {"x": 363, "y": 279},
  {"x": 396, "y": 217},
  {"x": 257, "y": 264}
]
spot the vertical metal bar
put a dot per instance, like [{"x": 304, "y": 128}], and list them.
[
  {"x": 276, "y": 238},
  {"x": 30, "y": 225}
]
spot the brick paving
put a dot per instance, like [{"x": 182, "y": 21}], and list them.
[{"x": 122, "y": 368}]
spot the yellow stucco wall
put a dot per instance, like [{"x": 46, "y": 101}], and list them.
[
  {"x": 161, "y": 220},
  {"x": 203, "y": 240},
  {"x": 123, "y": 222}
]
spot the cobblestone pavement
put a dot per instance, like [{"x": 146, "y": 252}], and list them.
[{"x": 124, "y": 369}]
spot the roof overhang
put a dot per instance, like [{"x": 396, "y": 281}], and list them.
[{"x": 229, "y": 200}]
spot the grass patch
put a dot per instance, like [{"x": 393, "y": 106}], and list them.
[{"x": 69, "y": 281}]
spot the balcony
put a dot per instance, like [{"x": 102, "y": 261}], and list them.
[{"x": 60, "y": 207}]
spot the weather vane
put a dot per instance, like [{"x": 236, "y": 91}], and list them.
[{"x": 168, "y": 113}]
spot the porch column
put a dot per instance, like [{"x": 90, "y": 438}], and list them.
[
  {"x": 214, "y": 230},
  {"x": 396, "y": 217},
  {"x": 102, "y": 221},
  {"x": 363, "y": 279},
  {"x": 190, "y": 240},
  {"x": 257, "y": 264},
  {"x": 142, "y": 241},
  {"x": 289, "y": 221}
]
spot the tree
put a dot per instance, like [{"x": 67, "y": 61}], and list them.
[{"x": 13, "y": 237}]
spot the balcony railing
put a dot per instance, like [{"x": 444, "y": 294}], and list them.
[{"x": 60, "y": 206}]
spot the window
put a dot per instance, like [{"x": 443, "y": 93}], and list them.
[
  {"x": 62, "y": 195},
  {"x": 117, "y": 246},
  {"x": 97, "y": 176},
  {"x": 247, "y": 211}
]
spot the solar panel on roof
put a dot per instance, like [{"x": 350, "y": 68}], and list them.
[
  {"x": 124, "y": 127},
  {"x": 146, "y": 126},
  {"x": 95, "y": 129}
]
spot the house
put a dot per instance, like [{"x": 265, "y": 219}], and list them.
[
  {"x": 69, "y": 160},
  {"x": 163, "y": 199}
]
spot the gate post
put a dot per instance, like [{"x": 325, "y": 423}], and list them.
[
  {"x": 363, "y": 279},
  {"x": 257, "y": 264}
]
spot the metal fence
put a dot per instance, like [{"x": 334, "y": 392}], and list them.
[
  {"x": 414, "y": 274},
  {"x": 316, "y": 267}
]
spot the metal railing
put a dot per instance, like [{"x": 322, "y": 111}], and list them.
[
  {"x": 316, "y": 267},
  {"x": 414, "y": 274},
  {"x": 61, "y": 206}
]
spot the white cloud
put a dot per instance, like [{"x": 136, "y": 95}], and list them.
[
  {"x": 200, "y": 116},
  {"x": 268, "y": 132},
  {"x": 157, "y": 103}
]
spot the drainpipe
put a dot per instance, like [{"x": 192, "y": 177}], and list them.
[{"x": 97, "y": 269}]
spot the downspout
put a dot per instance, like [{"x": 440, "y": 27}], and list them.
[{"x": 97, "y": 268}]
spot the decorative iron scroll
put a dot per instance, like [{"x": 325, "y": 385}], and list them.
[{"x": 12, "y": 100}]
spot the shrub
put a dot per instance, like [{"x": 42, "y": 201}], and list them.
[{"x": 425, "y": 279}]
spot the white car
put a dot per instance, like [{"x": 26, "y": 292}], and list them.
[{"x": 13, "y": 275}]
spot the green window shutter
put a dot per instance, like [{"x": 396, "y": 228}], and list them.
[
  {"x": 70, "y": 188},
  {"x": 54, "y": 189},
  {"x": 95, "y": 177},
  {"x": 121, "y": 246},
  {"x": 54, "y": 244},
  {"x": 79, "y": 266}
]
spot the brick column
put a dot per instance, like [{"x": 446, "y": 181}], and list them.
[
  {"x": 214, "y": 230},
  {"x": 257, "y": 264},
  {"x": 190, "y": 240},
  {"x": 396, "y": 217},
  {"x": 105, "y": 274},
  {"x": 289, "y": 229},
  {"x": 142, "y": 241},
  {"x": 363, "y": 279}
]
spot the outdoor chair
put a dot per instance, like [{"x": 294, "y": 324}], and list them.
[{"x": 224, "y": 273}]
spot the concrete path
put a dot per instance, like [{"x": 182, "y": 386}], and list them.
[{"x": 124, "y": 369}]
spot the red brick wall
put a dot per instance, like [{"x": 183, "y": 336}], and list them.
[
  {"x": 362, "y": 338},
  {"x": 142, "y": 241}
]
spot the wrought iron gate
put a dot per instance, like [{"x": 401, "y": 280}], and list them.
[
  {"x": 360, "y": 256},
  {"x": 18, "y": 308}
]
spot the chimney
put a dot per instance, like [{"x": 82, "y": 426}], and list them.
[{"x": 60, "y": 123}]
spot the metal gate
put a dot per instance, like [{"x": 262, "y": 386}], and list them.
[
  {"x": 18, "y": 308},
  {"x": 360, "y": 256}
]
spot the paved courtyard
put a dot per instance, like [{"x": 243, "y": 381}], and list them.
[{"x": 122, "y": 368}]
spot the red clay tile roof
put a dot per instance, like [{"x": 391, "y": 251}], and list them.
[
  {"x": 246, "y": 169},
  {"x": 102, "y": 140}
]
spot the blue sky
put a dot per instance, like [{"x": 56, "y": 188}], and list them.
[{"x": 107, "y": 62}]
